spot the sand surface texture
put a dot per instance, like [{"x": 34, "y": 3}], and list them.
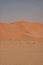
[{"x": 21, "y": 52}]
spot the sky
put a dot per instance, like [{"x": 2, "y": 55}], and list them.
[{"x": 27, "y": 10}]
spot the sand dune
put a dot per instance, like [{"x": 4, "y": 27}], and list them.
[
  {"x": 21, "y": 30},
  {"x": 21, "y": 43}
]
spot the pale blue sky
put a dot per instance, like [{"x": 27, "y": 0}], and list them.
[{"x": 14, "y": 10}]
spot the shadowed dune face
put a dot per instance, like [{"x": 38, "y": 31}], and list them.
[{"x": 21, "y": 31}]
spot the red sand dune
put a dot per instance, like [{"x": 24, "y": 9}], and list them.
[{"x": 21, "y": 30}]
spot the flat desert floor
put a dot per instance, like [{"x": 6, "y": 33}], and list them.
[{"x": 13, "y": 52}]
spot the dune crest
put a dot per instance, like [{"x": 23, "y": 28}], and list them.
[{"x": 21, "y": 30}]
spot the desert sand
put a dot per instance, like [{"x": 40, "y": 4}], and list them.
[
  {"x": 21, "y": 30},
  {"x": 21, "y": 43}
]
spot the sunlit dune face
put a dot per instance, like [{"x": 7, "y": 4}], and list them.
[{"x": 21, "y": 30}]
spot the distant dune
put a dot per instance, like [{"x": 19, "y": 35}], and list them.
[{"x": 21, "y": 30}]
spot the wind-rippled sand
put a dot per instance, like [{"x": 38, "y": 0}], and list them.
[{"x": 13, "y": 52}]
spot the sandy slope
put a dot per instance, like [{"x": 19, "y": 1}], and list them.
[
  {"x": 21, "y": 52},
  {"x": 21, "y": 30}
]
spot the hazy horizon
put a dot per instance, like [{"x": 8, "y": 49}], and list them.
[{"x": 14, "y": 10}]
